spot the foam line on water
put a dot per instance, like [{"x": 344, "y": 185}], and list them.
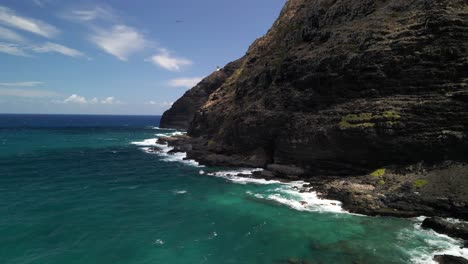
[
  {"x": 163, "y": 149},
  {"x": 289, "y": 194},
  {"x": 233, "y": 176},
  {"x": 437, "y": 244},
  {"x": 286, "y": 193}
]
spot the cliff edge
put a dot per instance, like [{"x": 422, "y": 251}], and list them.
[{"x": 347, "y": 88}]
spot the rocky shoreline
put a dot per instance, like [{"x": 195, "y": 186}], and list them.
[
  {"x": 400, "y": 191},
  {"x": 406, "y": 192},
  {"x": 364, "y": 100}
]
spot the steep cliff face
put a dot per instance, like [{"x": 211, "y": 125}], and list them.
[
  {"x": 346, "y": 86},
  {"x": 181, "y": 113}
]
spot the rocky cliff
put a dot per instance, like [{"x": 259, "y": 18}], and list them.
[
  {"x": 341, "y": 87},
  {"x": 181, "y": 114}
]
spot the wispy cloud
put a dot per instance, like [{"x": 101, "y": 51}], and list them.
[
  {"x": 21, "y": 84},
  {"x": 50, "y": 47},
  {"x": 15, "y": 92},
  {"x": 41, "y": 3},
  {"x": 78, "y": 99},
  {"x": 110, "y": 100},
  {"x": 10, "y": 18},
  {"x": 12, "y": 49},
  {"x": 90, "y": 14},
  {"x": 185, "y": 82},
  {"x": 10, "y": 35},
  {"x": 164, "y": 104},
  {"x": 166, "y": 61},
  {"x": 120, "y": 41}
]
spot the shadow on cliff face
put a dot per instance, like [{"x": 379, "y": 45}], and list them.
[{"x": 342, "y": 88}]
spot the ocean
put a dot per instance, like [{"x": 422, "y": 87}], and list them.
[{"x": 86, "y": 189}]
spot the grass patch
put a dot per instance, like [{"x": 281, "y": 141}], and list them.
[
  {"x": 391, "y": 115},
  {"x": 368, "y": 120},
  {"x": 237, "y": 73},
  {"x": 381, "y": 182},
  {"x": 211, "y": 143},
  {"x": 357, "y": 121},
  {"x": 378, "y": 173},
  {"x": 419, "y": 183}
]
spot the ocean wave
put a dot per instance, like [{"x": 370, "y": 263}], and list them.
[
  {"x": 177, "y": 192},
  {"x": 151, "y": 142},
  {"x": 286, "y": 193},
  {"x": 290, "y": 194},
  {"x": 309, "y": 201},
  {"x": 437, "y": 244},
  {"x": 176, "y": 133},
  {"x": 233, "y": 176},
  {"x": 164, "y": 149},
  {"x": 158, "y": 128},
  {"x": 158, "y": 242}
]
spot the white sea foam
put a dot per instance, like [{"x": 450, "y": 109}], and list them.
[
  {"x": 233, "y": 176},
  {"x": 179, "y": 192},
  {"x": 290, "y": 195},
  {"x": 164, "y": 149},
  {"x": 439, "y": 244},
  {"x": 212, "y": 235},
  {"x": 176, "y": 133},
  {"x": 286, "y": 193},
  {"x": 147, "y": 142},
  {"x": 158, "y": 128},
  {"x": 158, "y": 242}
]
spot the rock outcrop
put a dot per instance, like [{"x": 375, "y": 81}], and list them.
[
  {"x": 447, "y": 259},
  {"x": 343, "y": 87},
  {"x": 181, "y": 113},
  {"x": 440, "y": 225}
]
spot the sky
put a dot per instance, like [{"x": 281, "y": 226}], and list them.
[{"x": 119, "y": 56}]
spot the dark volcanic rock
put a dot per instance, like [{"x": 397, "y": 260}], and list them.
[
  {"x": 182, "y": 111},
  {"x": 448, "y": 259},
  {"x": 344, "y": 87},
  {"x": 440, "y": 225}
]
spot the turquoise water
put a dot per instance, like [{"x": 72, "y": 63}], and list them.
[{"x": 86, "y": 194}]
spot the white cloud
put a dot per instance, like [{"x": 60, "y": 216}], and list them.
[
  {"x": 163, "y": 104},
  {"x": 185, "y": 82},
  {"x": 10, "y": 35},
  {"x": 57, "y": 48},
  {"x": 41, "y": 3},
  {"x": 49, "y": 47},
  {"x": 9, "y": 18},
  {"x": 86, "y": 15},
  {"x": 21, "y": 84},
  {"x": 78, "y": 99},
  {"x": 12, "y": 49},
  {"x": 26, "y": 92},
  {"x": 110, "y": 100},
  {"x": 165, "y": 60},
  {"x": 120, "y": 41}
]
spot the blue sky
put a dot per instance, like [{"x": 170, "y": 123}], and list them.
[{"x": 118, "y": 57}]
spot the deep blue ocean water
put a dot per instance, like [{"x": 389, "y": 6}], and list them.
[{"x": 85, "y": 189}]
